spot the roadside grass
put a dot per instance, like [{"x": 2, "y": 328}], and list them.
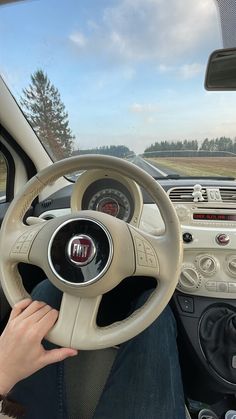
[
  {"x": 198, "y": 166},
  {"x": 3, "y": 177}
]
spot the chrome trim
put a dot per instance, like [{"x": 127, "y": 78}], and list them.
[{"x": 96, "y": 278}]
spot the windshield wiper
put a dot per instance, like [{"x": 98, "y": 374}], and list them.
[{"x": 172, "y": 176}]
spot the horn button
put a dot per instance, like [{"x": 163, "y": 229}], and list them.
[{"x": 80, "y": 251}]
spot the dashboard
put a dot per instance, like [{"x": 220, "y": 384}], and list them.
[{"x": 208, "y": 225}]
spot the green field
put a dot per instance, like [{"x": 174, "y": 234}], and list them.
[
  {"x": 197, "y": 166},
  {"x": 3, "y": 175}
]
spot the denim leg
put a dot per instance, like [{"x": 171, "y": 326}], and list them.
[
  {"x": 145, "y": 380},
  {"x": 43, "y": 393}
]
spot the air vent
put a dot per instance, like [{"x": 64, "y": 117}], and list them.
[
  {"x": 48, "y": 217},
  {"x": 228, "y": 194},
  {"x": 47, "y": 203},
  {"x": 184, "y": 195}
]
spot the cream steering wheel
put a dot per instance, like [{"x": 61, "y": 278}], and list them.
[{"x": 88, "y": 253}]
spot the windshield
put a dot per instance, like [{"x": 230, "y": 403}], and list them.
[{"x": 121, "y": 77}]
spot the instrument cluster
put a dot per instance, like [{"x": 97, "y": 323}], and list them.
[{"x": 109, "y": 196}]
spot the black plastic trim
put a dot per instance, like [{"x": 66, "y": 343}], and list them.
[
  {"x": 189, "y": 328},
  {"x": 10, "y": 172},
  {"x": 29, "y": 166}
]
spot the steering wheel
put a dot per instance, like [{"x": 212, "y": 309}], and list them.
[{"x": 88, "y": 253}]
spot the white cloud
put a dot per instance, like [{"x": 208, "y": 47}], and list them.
[
  {"x": 128, "y": 73},
  {"x": 159, "y": 30},
  {"x": 163, "y": 68},
  {"x": 92, "y": 25},
  {"x": 185, "y": 71},
  {"x": 78, "y": 39},
  {"x": 188, "y": 71},
  {"x": 144, "y": 108}
]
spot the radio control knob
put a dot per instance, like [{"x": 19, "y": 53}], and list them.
[
  {"x": 231, "y": 264},
  {"x": 207, "y": 264},
  {"x": 189, "y": 279}
]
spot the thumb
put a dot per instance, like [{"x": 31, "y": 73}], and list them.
[{"x": 57, "y": 355}]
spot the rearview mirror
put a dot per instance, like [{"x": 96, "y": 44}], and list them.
[{"x": 221, "y": 70}]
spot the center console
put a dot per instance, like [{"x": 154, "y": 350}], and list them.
[
  {"x": 205, "y": 298},
  {"x": 209, "y": 237}
]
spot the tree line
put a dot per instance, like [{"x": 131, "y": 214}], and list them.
[
  {"x": 214, "y": 145},
  {"x": 112, "y": 150}
]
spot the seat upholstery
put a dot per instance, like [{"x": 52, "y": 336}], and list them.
[{"x": 85, "y": 377}]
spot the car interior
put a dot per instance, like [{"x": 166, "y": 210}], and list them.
[{"x": 151, "y": 228}]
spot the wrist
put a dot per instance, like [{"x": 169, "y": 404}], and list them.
[{"x": 5, "y": 384}]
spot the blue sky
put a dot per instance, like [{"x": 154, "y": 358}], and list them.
[{"x": 129, "y": 71}]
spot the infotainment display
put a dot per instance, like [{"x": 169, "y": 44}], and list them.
[{"x": 214, "y": 217}]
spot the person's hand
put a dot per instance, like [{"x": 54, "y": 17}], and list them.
[{"x": 21, "y": 350}]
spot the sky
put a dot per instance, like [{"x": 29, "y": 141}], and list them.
[{"x": 129, "y": 71}]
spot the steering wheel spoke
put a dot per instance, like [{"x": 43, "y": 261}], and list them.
[
  {"x": 20, "y": 241},
  {"x": 152, "y": 254},
  {"x": 77, "y": 321}
]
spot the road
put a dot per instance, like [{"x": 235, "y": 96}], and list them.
[
  {"x": 151, "y": 169},
  {"x": 2, "y": 196}
]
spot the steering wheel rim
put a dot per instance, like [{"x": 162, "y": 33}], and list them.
[{"x": 76, "y": 325}]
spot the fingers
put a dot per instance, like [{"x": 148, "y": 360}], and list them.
[
  {"x": 46, "y": 322},
  {"x": 19, "y": 307},
  {"x": 57, "y": 355},
  {"x": 40, "y": 313},
  {"x": 37, "y": 314},
  {"x": 32, "y": 308}
]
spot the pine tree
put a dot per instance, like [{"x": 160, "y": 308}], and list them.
[{"x": 46, "y": 112}]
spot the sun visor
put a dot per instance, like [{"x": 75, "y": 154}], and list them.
[{"x": 227, "y": 15}]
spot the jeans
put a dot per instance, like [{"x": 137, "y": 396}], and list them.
[{"x": 144, "y": 382}]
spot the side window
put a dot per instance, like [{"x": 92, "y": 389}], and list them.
[{"x": 3, "y": 178}]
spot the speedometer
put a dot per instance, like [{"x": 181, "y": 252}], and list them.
[{"x": 112, "y": 202}]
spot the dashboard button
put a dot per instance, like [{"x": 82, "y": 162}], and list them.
[
  {"x": 222, "y": 239},
  {"x": 232, "y": 287},
  {"x": 16, "y": 248},
  {"x": 23, "y": 237},
  {"x": 139, "y": 244},
  {"x": 222, "y": 286},
  {"x": 186, "y": 304},
  {"x": 210, "y": 285},
  {"x": 142, "y": 259},
  {"x": 25, "y": 247},
  {"x": 187, "y": 237},
  {"x": 148, "y": 249},
  {"x": 31, "y": 235},
  {"x": 151, "y": 260}
]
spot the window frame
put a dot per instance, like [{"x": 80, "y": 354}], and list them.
[{"x": 10, "y": 166}]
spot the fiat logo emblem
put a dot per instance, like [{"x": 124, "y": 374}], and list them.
[{"x": 81, "y": 250}]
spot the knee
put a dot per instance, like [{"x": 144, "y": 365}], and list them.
[{"x": 45, "y": 291}]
